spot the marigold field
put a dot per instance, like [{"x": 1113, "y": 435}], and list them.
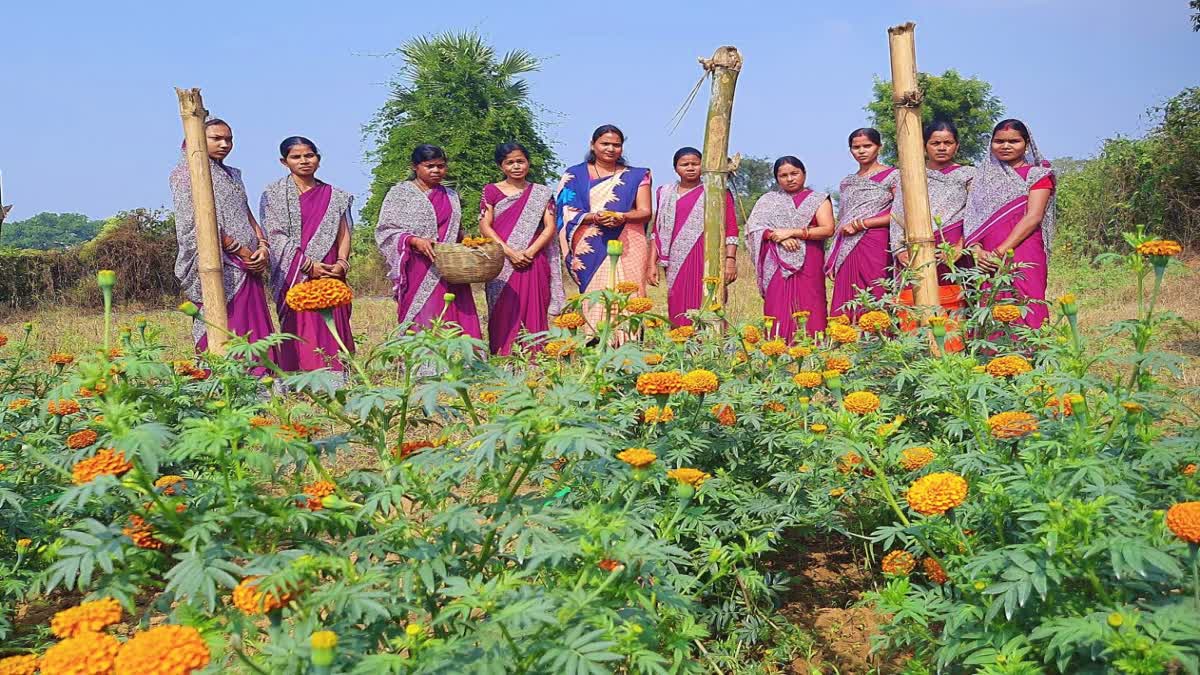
[{"x": 1018, "y": 501}]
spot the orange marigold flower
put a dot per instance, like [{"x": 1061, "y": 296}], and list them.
[
  {"x": 61, "y": 358},
  {"x": 1188, "y": 470},
  {"x": 62, "y": 407},
  {"x": 773, "y": 348},
  {"x": 638, "y": 458},
  {"x": 609, "y": 565},
  {"x": 936, "y": 493},
  {"x": 19, "y": 403},
  {"x": 913, "y": 459},
  {"x": 875, "y": 321},
  {"x": 164, "y": 650},
  {"x": 1064, "y": 406},
  {"x": 295, "y": 430},
  {"x": 489, "y": 397},
  {"x": 774, "y": 406},
  {"x": 837, "y": 492},
  {"x": 700, "y": 382},
  {"x": 88, "y": 653},
  {"x": 316, "y": 492},
  {"x": 652, "y": 359},
  {"x": 898, "y": 563},
  {"x": 142, "y": 533},
  {"x": 81, "y": 439},
  {"x": 842, "y": 334},
  {"x": 168, "y": 484},
  {"x": 1160, "y": 247},
  {"x": 318, "y": 295},
  {"x": 88, "y": 617},
  {"x": 848, "y": 461},
  {"x": 247, "y": 598},
  {"x": 654, "y": 414},
  {"x": 724, "y": 414},
  {"x": 25, "y": 664},
  {"x": 840, "y": 319},
  {"x": 1129, "y": 406},
  {"x": 410, "y": 448},
  {"x": 839, "y": 363},
  {"x": 681, "y": 334},
  {"x": 807, "y": 379},
  {"x": 799, "y": 351},
  {"x": 751, "y": 334},
  {"x": 818, "y": 428},
  {"x": 1008, "y": 366},
  {"x": 559, "y": 348},
  {"x": 660, "y": 383},
  {"x": 1012, "y": 424},
  {"x": 693, "y": 477},
  {"x": 569, "y": 320},
  {"x": 1006, "y": 313},
  {"x": 105, "y": 462},
  {"x": 475, "y": 242},
  {"x": 627, "y": 287},
  {"x": 1184, "y": 520},
  {"x": 934, "y": 571},
  {"x": 639, "y": 305},
  {"x": 861, "y": 402},
  {"x": 258, "y": 421},
  {"x": 801, "y": 315},
  {"x": 3, "y": 339}
]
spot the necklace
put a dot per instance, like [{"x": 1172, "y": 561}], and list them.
[{"x": 596, "y": 168}]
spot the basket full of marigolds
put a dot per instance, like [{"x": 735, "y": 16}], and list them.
[{"x": 475, "y": 261}]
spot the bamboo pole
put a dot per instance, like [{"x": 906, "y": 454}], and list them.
[
  {"x": 910, "y": 146},
  {"x": 725, "y": 65},
  {"x": 208, "y": 241}
]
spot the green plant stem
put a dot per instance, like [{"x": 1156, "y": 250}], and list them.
[
  {"x": 466, "y": 399},
  {"x": 327, "y": 315},
  {"x": 107, "y": 316}
]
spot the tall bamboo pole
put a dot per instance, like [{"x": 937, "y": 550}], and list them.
[
  {"x": 208, "y": 240},
  {"x": 910, "y": 145},
  {"x": 725, "y": 65}
]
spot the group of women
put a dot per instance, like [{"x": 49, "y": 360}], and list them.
[{"x": 997, "y": 215}]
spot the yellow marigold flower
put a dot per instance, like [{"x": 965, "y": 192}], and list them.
[
  {"x": 841, "y": 333},
  {"x": 559, "y": 348},
  {"x": 1160, "y": 247},
  {"x": 799, "y": 351},
  {"x": 774, "y": 406},
  {"x": 88, "y": 617},
  {"x": 168, "y": 484},
  {"x": 1183, "y": 519},
  {"x": 569, "y": 320},
  {"x": 318, "y": 295},
  {"x": 639, "y": 305},
  {"x": 652, "y": 359},
  {"x": 936, "y": 493},
  {"x": 861, "y": 402},
  {"x": 837, "y": 492},
  {"x": 323, "y": 639},
  {"x": 1066, "y": 299},
  {"x": 1188, "y": 470},
  {"x": 259, "y": 421},
  {"x": 88, "y": 653},
  {"x": 773, "y": 348},
  {"x": 1012, "y": 424},
  {"x": 62, "y": 407},
  {"x": 1064, "y": 406},
  {"x": 1008, "y": 366},
  {"x": 898, "y": 563},
  {"x": 23, "y": 544},
  {"x": 875, "y": 321},
  {"x": 848, "y": 461},
  {"x": 164, "y": 650},
  {"x": 413, "y": 629},
  {"x": 711, "y": 280},
  {"x": 693, "y": 477},
  {"x": 19, "y": 403},
  {"x": 1006, "y": 313},
  {"x": 1132, "y": 407},
  {"x": 751, "y": 334},
  {"x": 638, "y": 458},
  {"x": 61, "y": 358},
  {"x": 247, "y": 598},
  {"x": 660, "y": 383},
  {"x": 838, "y": 363},
  {"x": 700, "y": 382},
  {"x": 808, "y": 379},
  {"x": 105, "y": 462},
  {"x": 489, "y": 397},
  {"x": 818, "y": 428},
  {"x": 627, "y": 287},
  {"x": 724, "y": 414},
  {"x": 25, "y": 664},
  {"x": 913, "y": 459},
  {"x": 801, "y": 315},
  {"x": 934, "y": 571},
  {"x": 715, "y": 306},
  {"x": 475, "y": 242},
  {"x": 142, "y": 533},
  {"x": 839, "y": 320},
  {"x": 681, "y": 334},
  {"x": 654, "y": 414},
  {"x": 81, "y": 439}
]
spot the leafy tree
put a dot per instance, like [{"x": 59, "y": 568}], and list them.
[
  {"x": 49, "y": 231},
  {"x": 456, "y": 92},
  {"x": 967, "y": 101},
  {"x": 1195, "y": 5},
  {"x": 752, "y": 179}
]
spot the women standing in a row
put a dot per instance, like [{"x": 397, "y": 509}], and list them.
[
  {"x": 415, "y": 215},
  {"x": 786, "y": 234},
  {"x": 948, "y": 186},
  {"x": 1010, "y": 214},
  {"x": 242, "y": 240},
  {"x": 599, "y": 201},
  {"x": 519, "y": 215},
  {"x": 858, "y": 259},
  {"x": 308, "y": 228},
  {"x": 679, "y": 237}
]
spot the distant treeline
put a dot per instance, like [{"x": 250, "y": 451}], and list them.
[{"x": 47, "y": 231}]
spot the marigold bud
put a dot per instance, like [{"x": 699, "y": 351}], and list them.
[{"x": 189, "y": 308}]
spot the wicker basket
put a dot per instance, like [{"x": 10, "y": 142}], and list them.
[{"x": 460, "y": 264}]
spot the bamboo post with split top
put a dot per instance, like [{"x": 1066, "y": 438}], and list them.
[
  {"x": 208, "y": 240},
  {"x": 725, "y": 66},
  {"x": 910, "y": 147}
]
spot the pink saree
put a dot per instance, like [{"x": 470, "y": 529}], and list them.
[
  {"x": 860, "y": 261},
  {"x": 790, "y": 281},
  {"x": 679, "y": 240},
  {"x": 948, "y": 190}
]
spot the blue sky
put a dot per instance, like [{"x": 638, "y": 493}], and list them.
[{"x": 89, "y": 121}]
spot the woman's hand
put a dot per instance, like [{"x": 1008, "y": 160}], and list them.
[
  {"x": 730, "y": 270},
  {"x": 258, "y": 261},
  {"x": 777, "y": 236},
  {"x": 517, "y": 258},
  {"x": 853, "y": 227},
  {"x": 792, "y": 245},
  {"x": 986, "y": 260},
  {"x": 902, "y": 257},
  {"x": 652, "y": 275},
  {"x": 422, "y": 246}
]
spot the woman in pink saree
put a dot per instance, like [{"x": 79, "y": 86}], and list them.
[
  {"x": 858, "y": 260},
  {"x": 786, "y": 234},
  {"x": 245, "y": 247},
  {"x": 519, "y": 215},
  {"x": 1010, "y": 214},
  {"x": 679, "y": 237},
  {"x": 416, "y": 214},
  {"x": 308, "y": 226}
]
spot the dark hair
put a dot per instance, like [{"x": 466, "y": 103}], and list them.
[
  {"x": 600, "y": 131},
  {"x": 426, "y": 153},
  {"x": 505, "y": 149},
  {"x": 940, "y": 124},
  {"x": 871, "y": 134},
  {"x": 1012, "y": 125},
  {"x": 214, "y": 121},
  {"x": 684, "y": 152},
  {"x": 787, "y": 160},
  {"x": 292, "y": 141}
]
